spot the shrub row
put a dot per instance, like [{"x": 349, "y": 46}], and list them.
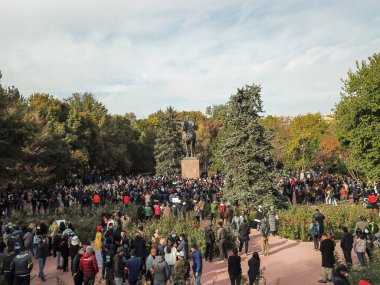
[{"x": 294, "y": 223}]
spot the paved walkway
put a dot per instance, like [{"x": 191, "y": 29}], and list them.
[{"x": 289, "y": 262}]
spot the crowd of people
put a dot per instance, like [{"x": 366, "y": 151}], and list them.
[
  {"x": 159, "y": 259},
  {"x": 362, "y": 242}
]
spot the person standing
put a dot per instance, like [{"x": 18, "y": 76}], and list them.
[
  {"x": 272, "y": 220},
  {"x": 181, "y": 270},
  {"x": 264, "y": 233},
  {"x": 56, "y": 249},
  {"x": 42, "y": 253},
  {"x": 134, "y": 267},
  {"x": 65, "y": 252},
  {"x": 346, "y": 243},
  {"x": 170, "y": 257},
  {"x": 234, "y": 267},
  {"x": 258, "y": 217},
  {"x": 360, "y": 247},
  {"x": 213, "y": 211},
  {"x": 244, "y": 231},
  {"x": 8, "y": 258},
  {"x": 88, "y": 266},
  {"x": 254, "y": 269},
  {"x": 160, "y": 270},
  {"x": 118, "y": 266},
  {"x": 327, "y": 248},
  {"x": 210, "y": 243},
  {"x": 314, "y": 233},
  {"x": 320, "y": 218},
  {"x": 21, "y": 265},
  {"x": 197, "y": 264},
  {"x": 98, "y": 245},
  {"x": 221, "y": 237},
  {"x": 76, "y": 273}
]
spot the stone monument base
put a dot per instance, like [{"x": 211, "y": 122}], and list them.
[{"x": 190, "y": 168}]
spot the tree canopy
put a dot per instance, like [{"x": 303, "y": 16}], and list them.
[{"x": 358, "y": 117}]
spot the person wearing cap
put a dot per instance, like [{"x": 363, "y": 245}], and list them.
[
  {"x": 340, "y": 275},
  {"x": 88, "y": 266},
  {"x": 197, "y": 264},
  {"x": 181, "y": 272},
  {"x": 98, "y": 245},
  {"x": 76, "y": 273}
]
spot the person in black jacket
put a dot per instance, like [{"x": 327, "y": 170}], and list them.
[
  {"x": 327, "y": 248},
  {"x": 244, "y": 231},
  {"x": 139, "y": 246},
  {"x": 8, "y": 273},
  {"x": 210, "y": 243},
  {"x": 77, "y": 274},
  {"x": 254, "y": 269},
  {"x": 107, "y": 272},
  {"x": 56, "y": 249},
  {"x": 42, "y": 253},
  {"x": 234, "y": 267},
  {"x": 346, "y": 243},
  {"x": 339, "y": 275},
  {"x": 65, "y": 252}
]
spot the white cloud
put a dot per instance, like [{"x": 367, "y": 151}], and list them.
[{"x": 144, "y": 55}]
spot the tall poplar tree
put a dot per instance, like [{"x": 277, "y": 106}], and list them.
[
  {"x": 167, "y": 147},
  {"x": 245, "y": 152}
]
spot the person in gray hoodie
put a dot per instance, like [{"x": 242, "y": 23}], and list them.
[{"x": 160, "y": 270}]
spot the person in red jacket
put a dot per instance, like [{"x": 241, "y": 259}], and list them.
[
  {"x": 88, "y": 266},
  {"x": 126, "y": 199},
  {"x": 96, "y": 199},
  {"x": 372, "y": 199}
]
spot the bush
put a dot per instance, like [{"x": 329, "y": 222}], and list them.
[{"x": 294, "y": 223}]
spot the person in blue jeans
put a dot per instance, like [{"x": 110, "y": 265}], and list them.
[
  {"x": 197, "y": 264},
  {"x": 42, "y": 252}
]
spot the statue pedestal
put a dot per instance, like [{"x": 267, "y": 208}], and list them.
[{"x": 190, "y": 168}]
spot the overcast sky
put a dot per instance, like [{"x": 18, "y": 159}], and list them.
[{"x": 139, "y": 56}]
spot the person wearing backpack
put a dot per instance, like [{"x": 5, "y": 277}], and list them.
[
  {"x": 314, "y": 233},
  {"x": 221, "y": 237},
  {"x": 264, "y": 233}
]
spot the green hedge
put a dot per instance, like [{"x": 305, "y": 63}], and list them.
[{"x": 294, "y": 223}]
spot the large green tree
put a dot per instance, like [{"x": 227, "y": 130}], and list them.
[
  {"x": 248, "y": 164},
  {"x": 167, "y": 147},
  {"x": 358, "y": 117}
]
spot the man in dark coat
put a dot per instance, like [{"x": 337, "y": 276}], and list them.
[
  {"x": 244, "y": 231},
  {"x": 139, "y": 246},
  {"x": 327, "y": 248},
  {"x": 134, "y": 266},
  {"x": 320, "y": 218},
  {"x": 210, "y": 243},
  {"x": 346, "y": 243},
  {"x": 77, "y": 274}
]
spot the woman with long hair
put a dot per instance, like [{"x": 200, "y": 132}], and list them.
[{"x": 254, "y": 269}]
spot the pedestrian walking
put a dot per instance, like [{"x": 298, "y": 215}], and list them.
[
  {"x": 254, "y": 269},
  {"x": 264, "y": 234},
  {"x": 234, "y": 267}
]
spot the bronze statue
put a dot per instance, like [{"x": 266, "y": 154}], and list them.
[{"x": 188, "y": 136}]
